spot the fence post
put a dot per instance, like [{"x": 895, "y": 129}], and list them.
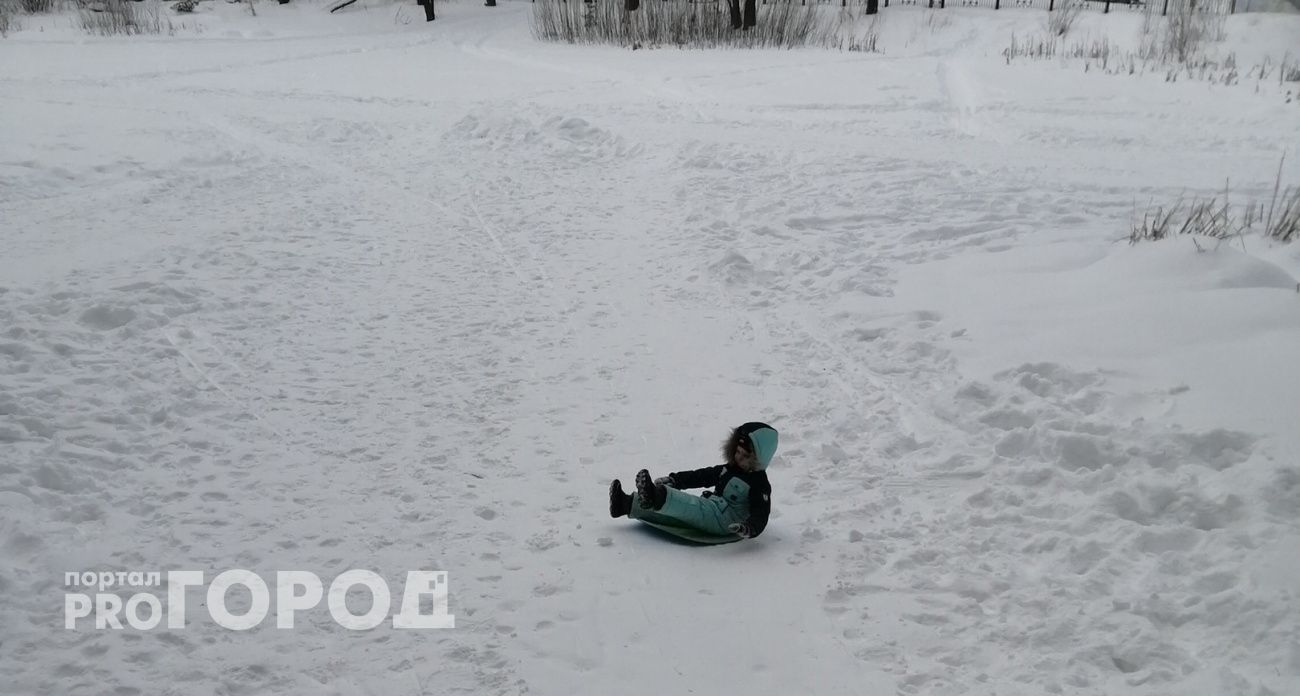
[
  {"x": 1051, "y": 5},
  {"x": 1165, "y": 11}
]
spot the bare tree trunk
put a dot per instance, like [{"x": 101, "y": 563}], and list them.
[
  {"x": 633, "y": 5},
  {"x": 428, "y": 9},
  {"x": 751, "y": 14},
  {"x": 873, "y": 6},
  {"x": 733, "y": 6}
]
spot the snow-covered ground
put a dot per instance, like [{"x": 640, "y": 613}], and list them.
[{"x": 320, "y": 292}]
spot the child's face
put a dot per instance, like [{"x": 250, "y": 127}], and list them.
[{"x": 745, "y": 459}]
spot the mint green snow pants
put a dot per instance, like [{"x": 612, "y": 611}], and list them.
[{"x": 711, "y": 514}]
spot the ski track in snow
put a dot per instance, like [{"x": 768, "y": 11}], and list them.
[{"x": 289, "y": 325}]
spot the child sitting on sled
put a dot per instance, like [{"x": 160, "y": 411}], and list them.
[{"x": 739, "y": 503}]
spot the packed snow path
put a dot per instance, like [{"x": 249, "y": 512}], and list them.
[{"x": 408, "y": 297}]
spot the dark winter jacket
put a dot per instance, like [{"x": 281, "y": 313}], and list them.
[{"x": 760, "y": 491}]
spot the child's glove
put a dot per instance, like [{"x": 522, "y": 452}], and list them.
[
  {"x": 740, "y": 529},
  {"x": 666, "y": 481}
]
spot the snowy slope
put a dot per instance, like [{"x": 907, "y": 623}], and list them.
[{"x": 320, "y": 292}]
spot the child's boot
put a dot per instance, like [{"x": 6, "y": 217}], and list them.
[
  {"x": 651, "y": 494},
  {"x": 620, "y": 503}
]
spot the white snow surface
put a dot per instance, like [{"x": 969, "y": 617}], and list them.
[{"x": 321, "y": 292}]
